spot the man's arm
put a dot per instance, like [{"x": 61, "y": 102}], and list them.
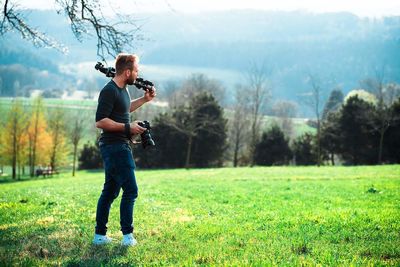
[
  {"x": 137, "y": 103},
  {"x": 109, "y": 125}
]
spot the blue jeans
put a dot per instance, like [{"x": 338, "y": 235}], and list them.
[{"x": 119, "y": 169}]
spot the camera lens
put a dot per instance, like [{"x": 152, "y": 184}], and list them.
[{"x": 147, "y": 141}]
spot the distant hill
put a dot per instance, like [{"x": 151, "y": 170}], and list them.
[{"x": 340, "y": 48}]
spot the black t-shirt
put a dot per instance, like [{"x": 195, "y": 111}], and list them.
[{"x": 114, "y": 103}]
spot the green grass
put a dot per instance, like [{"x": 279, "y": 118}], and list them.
[{"x": 246, "y": 216}]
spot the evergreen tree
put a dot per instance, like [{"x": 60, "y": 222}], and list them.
[
  {"x": 170, "y": 149},
  {"x": 392, "y": 140},
  {"x": 209, "y": 142},
  {"x": 334, "y": 102},
  {"x": 90, "y": 157},
  {"x": 273, "y": 148},
  {"x": 331, "y": 136},
  {"x": 304, "y": 150},
  {"x": 194, "y": 135},
  {"x": 359, "y": 140}
]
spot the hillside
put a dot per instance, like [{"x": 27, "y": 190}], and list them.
[{"x": 340, "y": 48}]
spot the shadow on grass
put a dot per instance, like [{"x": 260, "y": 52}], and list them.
[
  {"x": 44, "y": 244},
  {"x": 98, "y": 255}
]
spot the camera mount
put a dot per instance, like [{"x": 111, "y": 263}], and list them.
[{"x": 140, "y": 83}]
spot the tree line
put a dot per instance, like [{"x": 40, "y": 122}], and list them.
[
  {"x": 361, "y": 128},
  {"x": 197, "y": 131},
  {"x": 34, "y": 138},
  {"x": 349, "y": 130}
]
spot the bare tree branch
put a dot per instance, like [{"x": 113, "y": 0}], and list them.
[
  {"x": 86, "y": 19},
  {"x": 315, "y": 99},
  {"x": 386, "y": 95},
  {"x": 259, "y": 93},
  {"x": 14, "y": 20}
]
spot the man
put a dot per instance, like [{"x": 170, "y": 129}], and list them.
[{"x": 112, "y": 116}]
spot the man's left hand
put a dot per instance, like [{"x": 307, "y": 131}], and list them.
[{"x": 150, "y": 94}]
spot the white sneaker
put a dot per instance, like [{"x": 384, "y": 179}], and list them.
[
  {"x": 129, "y": 240},
  {"x": 101, "y": 239}
]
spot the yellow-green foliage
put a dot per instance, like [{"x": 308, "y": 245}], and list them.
[{"x": 362, "y": 94}]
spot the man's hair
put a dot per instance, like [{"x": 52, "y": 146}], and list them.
[{"x": 124, "y": 62}]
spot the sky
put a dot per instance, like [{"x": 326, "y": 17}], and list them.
[{"x": 370, "y": 8}]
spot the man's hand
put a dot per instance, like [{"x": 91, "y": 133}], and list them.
[
  {"x": 137, "y": 103},
  {"x": 136, "y": 128},
  {"x": 150, "y": 94}
]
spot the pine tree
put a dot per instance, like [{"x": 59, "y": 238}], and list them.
[
  {"x": 304, "y": 150},
  {"x": 331, "y": 135},
  {"x": 359, "y": 139},
  {"x": 90, "y": 157},
  {"x": 392, "y": 140},
  {"x": 273, "y": 148},
  {"x": 194, "y": 135},
  {"x": 209, "y": 142}
]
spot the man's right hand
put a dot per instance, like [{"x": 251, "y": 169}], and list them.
[{"x": 136, "y": 128}]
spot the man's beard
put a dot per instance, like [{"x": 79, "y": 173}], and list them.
[{"x": 130, "y": 81}]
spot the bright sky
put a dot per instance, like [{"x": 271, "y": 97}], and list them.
[{"x": 375, "y": 8}]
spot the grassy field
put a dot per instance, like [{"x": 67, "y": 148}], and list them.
[{"x": 247, "y": 216}]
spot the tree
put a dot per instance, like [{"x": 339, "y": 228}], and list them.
[
  {"x": 194, "y": 85},
  {"x": 385, "y": 95},
  {"x": 86, "y": 19},
  {"x": 169, "y": 92},
  {"x": 259, "y": 93},
  {"x": 14, "y": 138},
  {"x": 392, "y": 140},
  {"x": 75, "y": 133},
  {"x": 210, "y": 138},
  {"x": 331, "y": 135},
  {"x": 39, "y": 140},
  {"x": 304, "y": 150},
  {"x": 193, "y": 135},
  {"x": 362, "y": 95},
  {"x": 314, "y": 100},
  {"x": 238, "y": 129},
  {"x": 358, "y": 138},
  {"x": 334, "y": 102},
  {"x": 90, "y": 158},
  {"x": 285, "y": 111},
  {"x": 58, "y": 150},
  {"x": 273, "y": 148},
  {"x": 170, "y": 149},
  {"x": 204, "y": 127}
]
